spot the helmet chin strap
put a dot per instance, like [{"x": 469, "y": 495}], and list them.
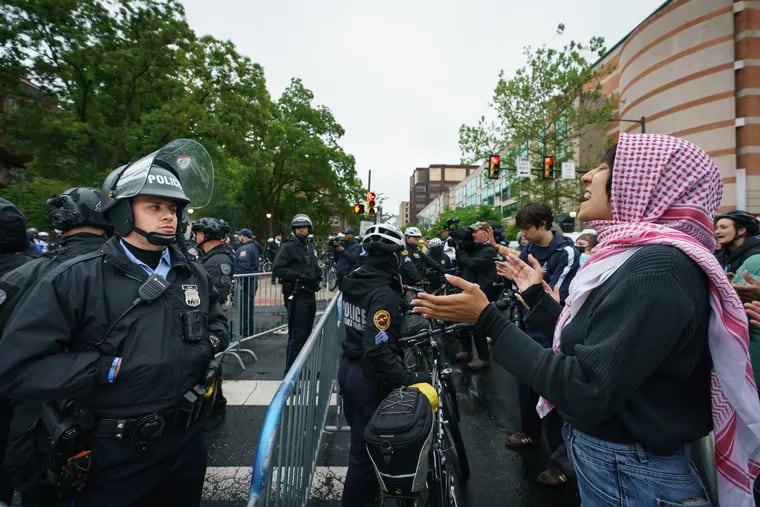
[{"x": 155, "y": 238}]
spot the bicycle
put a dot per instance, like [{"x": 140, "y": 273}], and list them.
[
  {"x": 329, "y": 273},
  {"x": 449, "y": 467}
]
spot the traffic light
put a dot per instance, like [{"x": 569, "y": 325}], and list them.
[
  {"x": 548, "y": 168},
  {"x": 371, "y": 204},
  {"x": 494, "y": 165},
  {"x": 358, "y": 208}
]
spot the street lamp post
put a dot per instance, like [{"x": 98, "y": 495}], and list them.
[
  {"x": 269, "y": 218},
  {"x": 641, "y": 121},
  {"x": 573, "y": 214}
]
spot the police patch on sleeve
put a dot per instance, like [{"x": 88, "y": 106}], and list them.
[
  {"x": 192, "y": 296},
  {"x": 242, "y": 253},
  {"x": 225, "y": 268},
  {"x": 381, "y": 337},
  {"x": 382, "y": 320}
]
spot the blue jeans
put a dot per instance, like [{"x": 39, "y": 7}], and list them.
[{"x": 611, "y": 474}]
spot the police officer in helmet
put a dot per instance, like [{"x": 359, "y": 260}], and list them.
[
  {"x": 297, "y": 269},
  {"x": 372, "y": 365},
  {"x": 123, "y": 340},
  {"x": 76, "y": 213},
  {"x": 219, "y": 261}
]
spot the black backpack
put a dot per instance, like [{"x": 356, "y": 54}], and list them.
[{"x": 398, "y": 441}]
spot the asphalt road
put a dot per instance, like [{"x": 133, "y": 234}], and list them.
[{"x": 488, "y": 406}]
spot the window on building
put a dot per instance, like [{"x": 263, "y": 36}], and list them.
[{"x": 420, "y": 189}]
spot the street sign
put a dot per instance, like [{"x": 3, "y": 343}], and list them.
[
  {"x": 364, "y": 225},
  {"x": 568, "y": 170},
  {"x": 523, "y": 168}
]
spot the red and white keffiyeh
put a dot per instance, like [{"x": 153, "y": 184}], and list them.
[{"x": 666, "y": 191}]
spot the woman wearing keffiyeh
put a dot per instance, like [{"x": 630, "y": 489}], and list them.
[{"x": 650, "y": 351}]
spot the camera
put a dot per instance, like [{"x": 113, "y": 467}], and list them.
[
  {"x": 334, "y": 241},
  {"x": 451, "y": 222}
]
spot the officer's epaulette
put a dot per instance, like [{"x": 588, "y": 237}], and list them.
[{"x": 71, "y": 262}]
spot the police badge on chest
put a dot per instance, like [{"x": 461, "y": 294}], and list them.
[{"x": 192, "y": 296}]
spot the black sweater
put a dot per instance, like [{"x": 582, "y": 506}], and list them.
[{"x": 634, "y": 365}]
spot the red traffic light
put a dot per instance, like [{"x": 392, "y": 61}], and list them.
[{"x": 495, "y": 159}]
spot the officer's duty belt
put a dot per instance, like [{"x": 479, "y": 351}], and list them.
[{"x": 148, "y": 426}]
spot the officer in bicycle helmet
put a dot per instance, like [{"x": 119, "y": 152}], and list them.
[
  {"x": 435, "y": 252},
  {"x": 297, "y": 268},
  {"x": 372, "y": 365},
  {"x": 735, "y": 233},
  {"x": 425, "y": 268}
]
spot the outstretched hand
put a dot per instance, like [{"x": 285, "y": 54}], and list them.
[
  {"x": 520, "y": 272},
  {"x": 465, "y": 306},
  {"x": 749, "y": 292}
]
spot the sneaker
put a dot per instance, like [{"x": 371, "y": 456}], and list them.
[
  {"x": 463, "y": 356},
  {"x": 519, "y": 440},
  {"x": 552, "y": 476},
  {"x": 479, "y": 364}
]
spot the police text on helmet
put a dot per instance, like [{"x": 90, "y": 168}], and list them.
[{"x": 164, "y": 180}]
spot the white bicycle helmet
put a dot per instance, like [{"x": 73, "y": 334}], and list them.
[
  {"x": 383, "y": 238},
  {"x": 413, "y": 231},
  {"x": 435, "y": 242}
]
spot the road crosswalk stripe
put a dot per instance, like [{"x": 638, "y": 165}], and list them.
[
  {"x": 254, "y": 392},
  {"x": 232, "y": 483}
]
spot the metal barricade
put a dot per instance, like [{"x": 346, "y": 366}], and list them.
[
  {"x": 257, "y": 309},
  {"x": 285, "y": 461}
]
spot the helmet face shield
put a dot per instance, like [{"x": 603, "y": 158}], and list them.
[{"x": 186, "y": 158}]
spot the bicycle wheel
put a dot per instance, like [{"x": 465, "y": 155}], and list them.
[
  {"x": 454, "y": 443},
  {"x": 332, "y": 278}
]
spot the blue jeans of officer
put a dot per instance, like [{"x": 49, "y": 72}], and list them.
[
  {"x": 627, "y": 475},
  {"x": 361, "y": 396},
  {"x": 171, "y": 471}
]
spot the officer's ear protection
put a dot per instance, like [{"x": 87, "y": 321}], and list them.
[{"x": 63, "y": 212}]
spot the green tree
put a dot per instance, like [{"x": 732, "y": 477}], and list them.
[
  {"x": 306, "y": 169},
  {"x": 466, "y": 215},
  {"x": 99, "y": 83},
  {"x": 544, "y": 109}
]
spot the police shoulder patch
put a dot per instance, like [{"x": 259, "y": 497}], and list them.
[
  {"x": 382, "y": 320},
  {"x": 225, "y": 268},
  {"x": 405, "y": 252},
  {"x": 242, "y": 253}
]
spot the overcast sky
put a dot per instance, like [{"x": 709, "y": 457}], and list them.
[{"x": 401, "y": 76}]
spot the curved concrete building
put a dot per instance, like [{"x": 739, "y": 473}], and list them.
[{"x": 692, "y": 69}]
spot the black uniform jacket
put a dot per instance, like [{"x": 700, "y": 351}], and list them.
[
  {"x": 220, "y": 264},
  {"x": 18, "y": 281},
  {"x": 56, "y": 344},
  {"x": 372, "y": 320},
  {"x": 296, "y": 262}
]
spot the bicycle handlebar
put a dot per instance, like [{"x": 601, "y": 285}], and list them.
[{"x": 433, "y": 332}]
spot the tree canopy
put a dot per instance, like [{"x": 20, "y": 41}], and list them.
[
  {"x": 545, "y": 109},
  {"x": 99, "y": 83}
]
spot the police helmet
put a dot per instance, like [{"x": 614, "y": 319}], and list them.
[
  {"x": 13, "y": 235},
  {"x": 78, "y": 206},
  {"x": 212, "y": 228},
  {"x": 160, "y": 182},
  {"x": 741, "y": 219},
  {"x": 436, "y": 242},
  {"x": 301, "y": 220},
  {"x": 413, "y": 231},
  {"x": 31, "y": 233},
  {"x": 383, "y": 238}
]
